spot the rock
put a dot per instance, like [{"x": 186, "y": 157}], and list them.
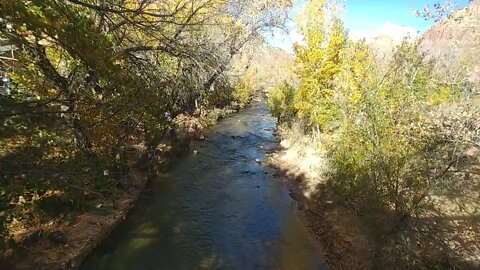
[
  {"x": 71, "y": 221},
  {"x": 58, "y": 237},
  {"x": 328, "y": 205},
  {"x": 459, "y": 28},
  {"x": 34, "y": 237}
]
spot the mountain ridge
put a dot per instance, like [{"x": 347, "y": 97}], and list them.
[{"x": 455, "y": 41}]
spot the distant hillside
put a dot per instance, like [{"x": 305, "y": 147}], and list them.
[
  {"x": 383, "y": 47},
  {"x": 265, "y": 66},
  {"x": 456, "y": 40},
  {"x": 272, "y": 66}
]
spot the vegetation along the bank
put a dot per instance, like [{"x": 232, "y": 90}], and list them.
[
  {"x": 95, "y": 91},
  {"x": 399, "y": 137},
  {"x": 87, "y": 83}
]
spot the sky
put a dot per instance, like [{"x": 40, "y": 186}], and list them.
[{"x": 368, "y": 19}]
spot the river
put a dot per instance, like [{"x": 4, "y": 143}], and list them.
[{"x": 215, "y": 209}]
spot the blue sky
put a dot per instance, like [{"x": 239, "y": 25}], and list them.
[{"x": 367, "y": 19}]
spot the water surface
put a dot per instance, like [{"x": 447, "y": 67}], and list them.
[{"x": 217, "y": 209}]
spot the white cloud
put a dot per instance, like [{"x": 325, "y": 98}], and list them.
[{"x": 395, "y": 31}]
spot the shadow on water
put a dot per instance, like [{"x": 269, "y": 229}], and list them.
[{"x": 218, "y": 209}]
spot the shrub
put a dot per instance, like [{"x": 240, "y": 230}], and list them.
[
  {"x": 243, "y": 92},
  {"x": 280, "y": 102},
  {"x": 387, "y": 147},
  {"x": 245, "y": 87}
]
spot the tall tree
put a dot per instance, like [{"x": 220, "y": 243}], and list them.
[{"x": 318, "y": 60}]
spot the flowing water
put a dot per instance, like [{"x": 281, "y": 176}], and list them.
[{"x": 217, "y": 209}]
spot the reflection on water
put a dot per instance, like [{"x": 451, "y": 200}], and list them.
[{"x": 218, "y": 209}]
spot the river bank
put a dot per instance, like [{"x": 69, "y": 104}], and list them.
[
  {"x": 64, "y": 242},
  {"x": 340, "y": 233}
]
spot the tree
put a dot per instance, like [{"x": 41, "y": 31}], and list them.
[{"x": 318, "y": 61}]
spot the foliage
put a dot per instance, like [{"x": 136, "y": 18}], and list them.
[
  {"x": 243, "y": 91},
  {"x": 318, "y": 62},
  {"x": 437, "y": 12},
  {"x": 93, "y": 78},
  {"x": 244, "y": 88},
  {"x": 391, "y": 158},
  {"x": 397, "y": 134},
  {"x": 281, "y": 102},
  {"x": 374, "y": 115}
]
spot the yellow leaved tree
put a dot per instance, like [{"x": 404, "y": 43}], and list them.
[{"x": 318, "y": 61}]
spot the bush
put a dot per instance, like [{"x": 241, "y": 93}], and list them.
[
  {"x": 382, "y": 150},
  {"x": 243, "y": 92},
  {"x": 280, "y": 103},
  {"x": 244, "y": 88}
]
